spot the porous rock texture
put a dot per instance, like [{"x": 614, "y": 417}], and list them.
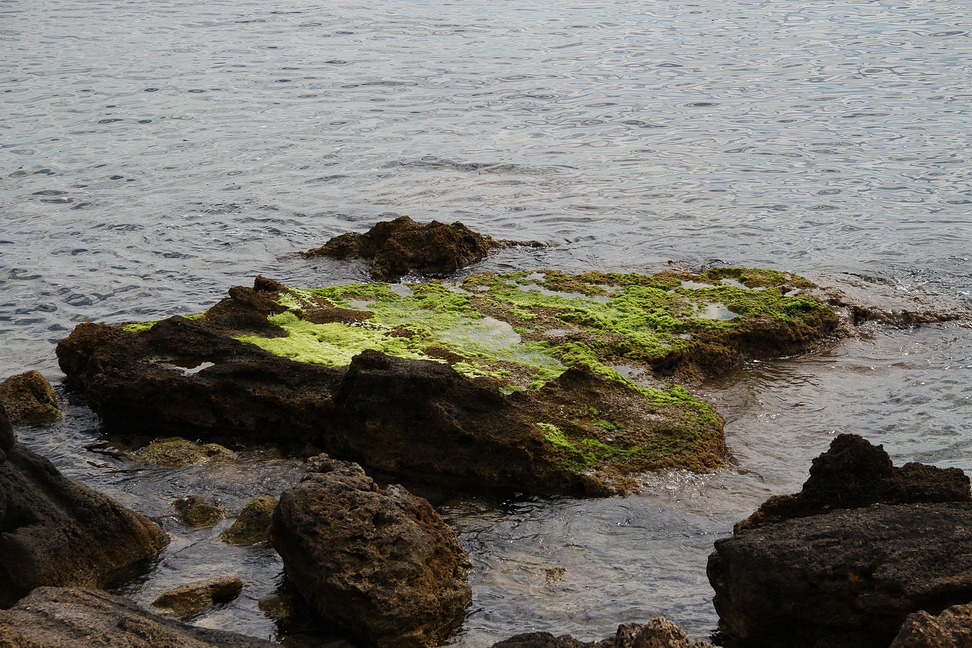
[
  {"x": 845, "y": 561},
  {"x": 950, "y": 629},
  {"x": 379, "y": 563},
  {"x": 30, "y": 399},
  {"x": 402, "y": 246},
  {"x": 657, "y": 633},
  {"x": 53, "y": 617},
  {"x": 56, "y": 531}
]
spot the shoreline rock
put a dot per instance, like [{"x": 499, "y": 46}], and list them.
[
  {"x": 657, "y": 633},
  {"x": 380, "y": 563},
  {"x": 30, "y": 399},
  {"x": 501, "y": 382},
  {"x": 52, "y": 617},
  {"x": 57, "y": 531},
  {"x": 402, "y": 246},
  {"x": 845, "y": 561}
]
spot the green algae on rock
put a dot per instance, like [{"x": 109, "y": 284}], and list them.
[
  {"x": 539, "y": 382},
  {"x": 528, "y": 327}
]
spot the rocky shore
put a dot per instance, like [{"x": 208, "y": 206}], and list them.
[{"x": 542, "y": 383}]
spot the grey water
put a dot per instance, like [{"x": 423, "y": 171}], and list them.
[{"x": 152, "y": 155}]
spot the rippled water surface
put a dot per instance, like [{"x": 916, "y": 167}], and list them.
[{"x": 153, "y": 154}]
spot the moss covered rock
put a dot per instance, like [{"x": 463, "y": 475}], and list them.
[{"x": 540, "y": 381}]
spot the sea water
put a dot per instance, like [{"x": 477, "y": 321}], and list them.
[{"x": 154, "y": 154}]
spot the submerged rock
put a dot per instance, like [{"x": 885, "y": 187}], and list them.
[
  {"x": 199, "y": 511},
  {"x": 252, "y": 525},
  {"x": 379, "y": 563},
  {"x": 657, "y": 633},
  {"x": 191, "y": 599},
  {"x": 174, "y": 452},
  {"x": 864, "y": 545},
  {"x": 538, "y": 382},
  {"x": 30, "y": 399},
  {"x": 57, "y": 531},
  {"x": 402, "y": 246},
  {"x": 79, "y": 618}
]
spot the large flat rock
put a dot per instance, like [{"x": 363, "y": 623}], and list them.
[{"x": 537, "y": 382}]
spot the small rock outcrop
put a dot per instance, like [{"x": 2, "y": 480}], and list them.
[
  {"x": 845, "y": 561},
  {"x": 854, "y": 474},
  {"x": 379, "y": 563},
  {"x": 190, "y": 599},
  {"x": 30, "y": 399},
  {"x": 56, "y": 531},
  {"x": 199, "y": 511},
  {"x": 252, "y": 525},
  {"x": 173, "y": 452},
  {"x": 950, "y": 629},
  {"x": 657, "y": 633},
  {"x": 402, "y": 246},
  {"x": 54, "y": 617}
]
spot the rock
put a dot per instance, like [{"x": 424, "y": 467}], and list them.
[
  {"x": 379, "y": 563},
  {"x": 843, "y": 562},
  {"x": 950, "y": 629},
  {"x": 253, "y": 523},
  {"x": 79, "y": 618},
  {"x": 30, "y": 399},
  {"x": 190, "y": 599},
  {"x": 402, "y": 246},
  {"x": 200, "y": 511},
  {"x": 174, "y": 452},
  {"x": 512, "y": 379},
  {"x": 852, "y": 474},
  {"x": 657, "y": 633},
  {"x": 57, "y": 531}
]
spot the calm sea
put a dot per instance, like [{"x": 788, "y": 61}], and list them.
[{"x": 154, "y": 154}]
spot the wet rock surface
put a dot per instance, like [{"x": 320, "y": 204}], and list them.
[
  {"x": 199, "y": 511},
  {"x": 190, "y": 599},
  {"x": 30, "y": 399},
  {"x": 402, "y": 246},
  {"x": 57, "y": 531},
  {"x": 252, "y": 525},
  {"x": 657, "y": 633},
  {"x": 174, "y": 452},
  {"x": 502, "y": 380},
  {"x": 803, "y": 571},
  {"x": 79, "y": 618},
  {"x": 379, "y": 563}
]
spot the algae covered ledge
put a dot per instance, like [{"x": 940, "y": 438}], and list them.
[{"x": 596, "y": 356}]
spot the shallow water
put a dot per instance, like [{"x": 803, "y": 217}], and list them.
[{"x": 153, "y": 155}]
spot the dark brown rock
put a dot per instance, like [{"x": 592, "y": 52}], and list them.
[
  {"x": 380, "y": 563},
  {"x": 842, "y": 574},
  {"x": 950, "y": 629},
  {"x": 657, "y": 633},
  {"x": 200, "y": 511},
  {"x": 252, "y": 525},
  {"x": 30, "y": 399},
  {"x": 852, "y": 474},
  {"x": 191, "y": 599},
  {"x": 79, "y": 618},
  {"x": 844, "y": 561},
  {"x": 415, "y": 420},
  {"x": 57, "y": 531},
  {"x": 402, "y": 246}
]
